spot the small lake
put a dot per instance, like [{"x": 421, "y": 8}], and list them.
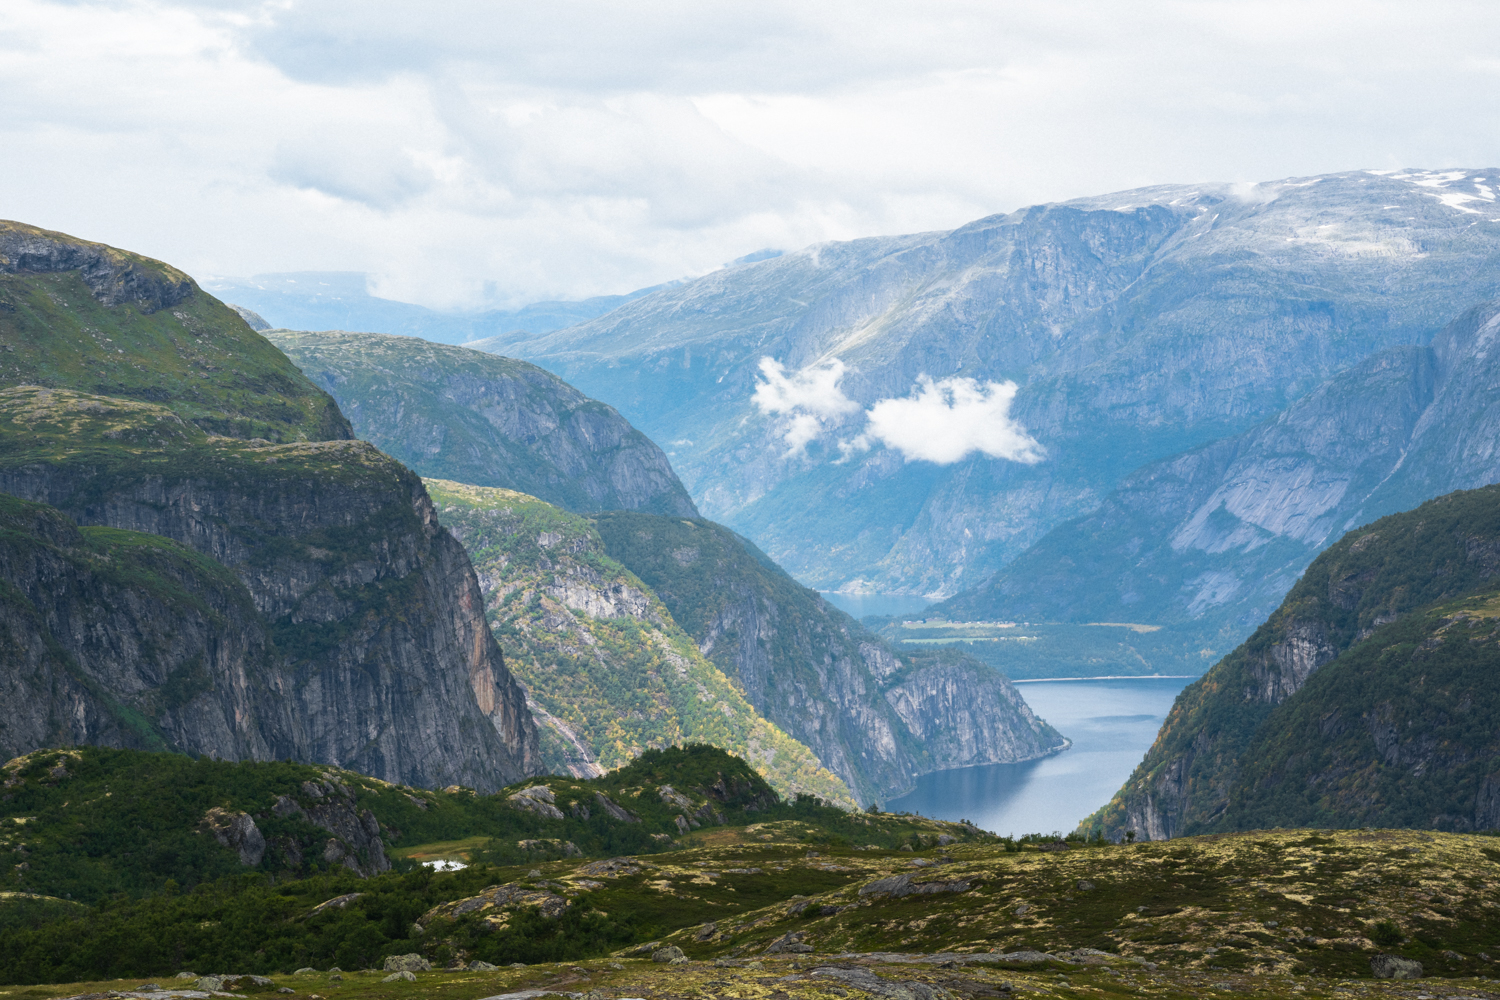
[{"x": 1111, "y": 723}]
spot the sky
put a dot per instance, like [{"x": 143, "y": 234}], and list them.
[{"x": 488, "y": 154}]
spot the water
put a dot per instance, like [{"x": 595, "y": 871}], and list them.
[
  {"x": 1111, "y": 723},
  {"x": 860, "y": 605}
]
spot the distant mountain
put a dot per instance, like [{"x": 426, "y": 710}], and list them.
[
  {"x": 196, "y": 556},
  {"x": 607, "y": 670},
  {"x": 1136, "y": 326},
  {"x": 454, "y": 413},
  {"x": 340, "y": 300},
  {"x": 877, "y": 717},
  {"x": 1367, "y": 699},
  {"x": 1213, "y": 538}
]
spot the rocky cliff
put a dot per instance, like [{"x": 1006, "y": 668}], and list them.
[
  {"x": 1136, "y": 326},
  {"x": 1363, "y": 700},
  {"x": 325, "y": 615},
  {"x": 1212, "y": 539},
  {"x": 463, "y": 415},
  {"x": 876, "y": 717},
  {"x": 608, "y": 671}
]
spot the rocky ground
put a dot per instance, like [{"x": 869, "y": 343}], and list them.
[{"x": 1276, "y": 913}]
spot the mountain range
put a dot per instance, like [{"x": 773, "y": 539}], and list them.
[{"x": 911, "y": 414}]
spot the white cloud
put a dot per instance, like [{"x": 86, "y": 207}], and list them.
[
  {"x": 811, "y": 400},
  {"x": 946, "y": 421},
  {"x": 489, "y": 152}
]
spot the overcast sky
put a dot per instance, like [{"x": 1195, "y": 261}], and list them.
[{"x": 495, "y": 152}]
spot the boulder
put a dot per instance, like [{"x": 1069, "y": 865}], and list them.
[
  {"x": 1395, "y": 967},
  {"x": 670, "y": 954},
  {"x": 305, "y": 970},
  {"x": 789, "y": 943},
  {"x": 402, "y": 976},
  {"x": 236, "y": 830},
  {"x": 407, "y": 963},
  {"x": 478, "y": 966}
]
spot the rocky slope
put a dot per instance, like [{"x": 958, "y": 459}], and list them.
[
  {"x": 1137, "y": 326},
  {"x": 1213, "y": 538},
  {"x": 875, "y": 717},
  {"x": 1363, "y": 700},
  {"x": 607, "y": 670},
  {"x": 458, "y": 414},
  {"x": 333, "y": 620}
]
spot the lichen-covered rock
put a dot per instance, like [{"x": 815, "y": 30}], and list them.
[
  {"x": 238, "y": 832},
  {"x": 405, "y": 975},
  {"x": 412, "y": 962},
  {"x": 671, "y": 954},
  {"x": 1395, "y": 967}
]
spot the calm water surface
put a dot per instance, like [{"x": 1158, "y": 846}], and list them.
[{"x": 1111, "y": 724}]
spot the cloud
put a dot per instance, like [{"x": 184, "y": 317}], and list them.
[
  {"x": 943, "y": 422},
  {"x": 488, "y": 153},
  {"x": 811, "y": 400}
]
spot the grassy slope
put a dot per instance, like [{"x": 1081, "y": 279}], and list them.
[
  {"x": 620, "y": 681},
  {"x": 1404, "y": 566},
  {"x": 198, "y": 358}
]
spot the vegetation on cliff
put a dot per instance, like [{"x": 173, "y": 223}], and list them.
[
  {"x": 1365, "y": 699},
  {"x": 876, "y": 715},
  {"x": 599, "y": 653},
  {"x": 459, "y": 414},
  {"x": 84, "y": 316}
]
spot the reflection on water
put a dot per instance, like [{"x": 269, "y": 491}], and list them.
[
  {"x": 1111, "y": 723},
  {"x": 860, "y": 605}
]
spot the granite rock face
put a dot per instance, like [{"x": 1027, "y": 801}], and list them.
[
  {"x": 471, "y": 417},
  {"x": 372, "y": 648},
  {"x": 114, "y": 277}
]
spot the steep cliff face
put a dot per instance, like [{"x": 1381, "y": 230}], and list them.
[
  {"x": 876, "y": 718},
  {"x": 458, "y": 414},
  {"x": 1338, "y": 704},
  {"x": 1213, "y": 538},
  {"x": 607, "y": 669},
  {"x": 332, "y": 619},
  {"x": 380, "y": 657},
  {"x": 1137, "y": 326}
]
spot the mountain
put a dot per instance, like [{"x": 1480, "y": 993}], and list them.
[
  {"x": 1214, "y": 538},
  {"x": 607, "y": 671},
  {"x": 340, "y": 300},
  {"x": 206, "y": 561},
  {"x": 876, "y": 717},
  {"x": 1136, "y": 326},
  {"x": 458, "y": 414},
  {"x": 1365, "y": 699}
]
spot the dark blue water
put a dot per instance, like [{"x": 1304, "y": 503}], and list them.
[
  {"x": 1111, "y": 723},
  {"x": 859, "y": 605}
]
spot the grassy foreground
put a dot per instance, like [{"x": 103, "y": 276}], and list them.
[{"x": 1283, "y": 913}]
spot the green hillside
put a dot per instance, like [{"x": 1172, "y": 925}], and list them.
[
  {"x": 84, "y": 316},
  {"x": 464, "y": 415},
  {"x": 877, "y": 715},
  {"x": 599, "y": 653},
  {"x": 1364, "y": 700}
]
